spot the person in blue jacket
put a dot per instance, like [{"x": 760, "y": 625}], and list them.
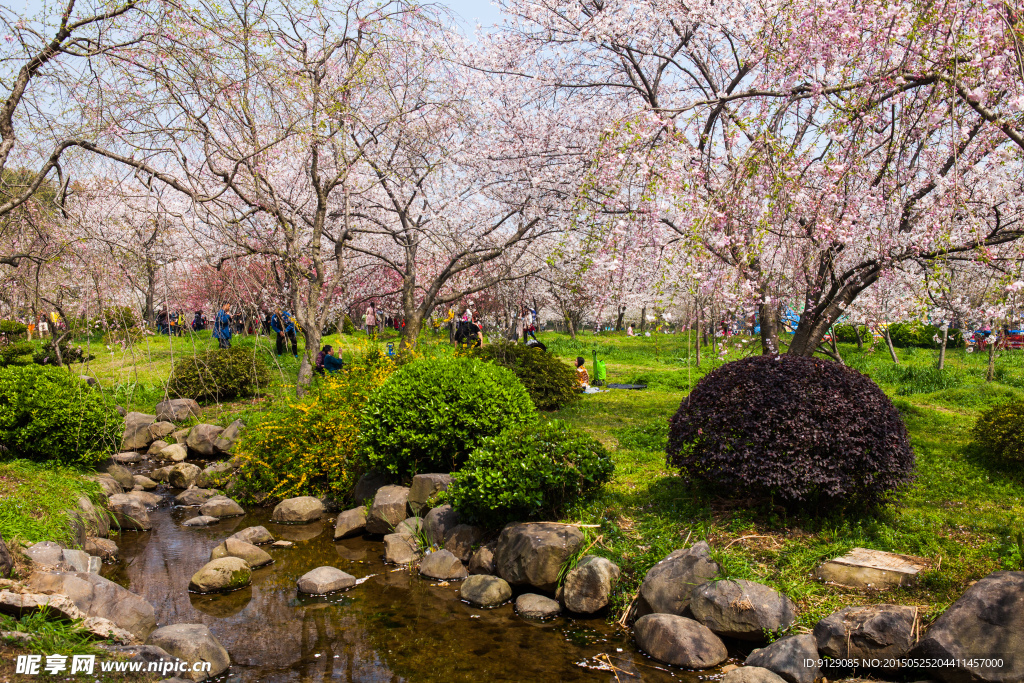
[
  {"x": 222, "y": 326},
  {"x": 283, "y": 324}
]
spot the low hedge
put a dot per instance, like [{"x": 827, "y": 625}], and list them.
[
  {"x": 49, "y": 414},
  {"x": 528, "y": 472},
  {"x": 219, "y": 374},
  {"x": 551, "y": 383}
]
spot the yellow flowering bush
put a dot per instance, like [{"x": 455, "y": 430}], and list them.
[{"x": 308, "y": 447}]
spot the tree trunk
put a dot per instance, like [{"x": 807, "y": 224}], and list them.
[
  {"x": 412, "y": 329},
  {"x": 768, "y": 314},
  {"x": 570, "y": 328},
  {"x": 892, "y": 349},
  {"x": 713, "y": 326},
  {"x": 150, "y": 313},
  {"x": 991, "y": 374},
  {"x": 618, "y": 321},
  {"x": 311, "y": 337},
  {"x": 835, "y": 348},
  {"x": 944, "y": 331},
  {"x": 643, "y": 319},
  {"x": 860, "y": 341},
  {"x": 698, "y": 329}
]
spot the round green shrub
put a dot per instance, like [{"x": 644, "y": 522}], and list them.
[
  {"x": 847, "y": 334},
  {"x": 347, "y": 327},
  {"x": 529, "y": 472},
  {"x": 431, "y": 413},
  {"x": 219, "y": 374},
  {"x": 792, "y": 428},
  {"x": 550, "y": 382},
  {"x": 1001, "y": 431},
  {"x": 12, "y": 328},
  {"x": 48, "y": 414}
]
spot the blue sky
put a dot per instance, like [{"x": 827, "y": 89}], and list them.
[{"x": 473, "y": 11}]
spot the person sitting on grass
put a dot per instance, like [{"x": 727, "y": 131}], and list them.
[
  {"x": 581, "y": 373},
  {"x": 326, "y": 361}
]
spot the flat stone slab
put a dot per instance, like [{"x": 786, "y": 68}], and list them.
[{"x": 874, "y": 569}]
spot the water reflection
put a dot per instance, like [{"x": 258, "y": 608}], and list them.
[{"x": 392, "y": 627}]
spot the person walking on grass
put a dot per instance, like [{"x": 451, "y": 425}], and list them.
[
  {"x": 284, "y": 326},
  {"x": 222, "y": 327}
]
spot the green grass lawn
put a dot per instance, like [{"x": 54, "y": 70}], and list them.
[{"x": 962, "y": 514}]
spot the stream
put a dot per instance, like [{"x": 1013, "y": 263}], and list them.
[{"x": 395, "y": 626}]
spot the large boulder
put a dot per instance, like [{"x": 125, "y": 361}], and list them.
[
  {"x": 588, "y": 586},
  {"x": 202, "y": 438},
  {"x": 127, "y": 458},
  {"x": 193, "y": 643},
  {"x": 299, "y": 510},
  {"x": 108, "y": 484},
  {"x": 679, "y": 641},
  {"x": 194, "y": 497},
  {"x": 160, "y": 473},
  {"x": 53, "y": 606},
  {"x": 367, "y": 486},
  {"x": 533, "y": 606},
  {"x": 351, "y": 522},
  {"x": 668, "y": 585},
  {"x": 233, "y": 547},
  {"x": 176, "y": 452},
  {"x": 400, "y": 549},
  {"x": 987, "y": 622},
  {"x": 439, "y": 522},
  {"x": 461, "y": 540},
  {"x": 257, "y": 535},
  {"x": 424, "y": 487},
  {"x": 45, "y": 553},
  {"x": 482, "y": 560},
  {"x": 868, "y": 632},
  {"x": 388, "y": 509},
  {"x": 130, "y": 512},
  {"x": 442, "y": 565},
  {"x": 225, "y": 441},
  {"x": 532, "y": 554},
  {"x": 150, "y": 500},
  {"x": 224, "y": 574},
  {"x": 485, "y": 591},
  {"x": 221, "y": 506},
  {"x": 788, "y": 658},
  {"x": 75, "y": 560},
  {"x": 216, "y": 474},
  {"x": 410, "y": 527},
  {"x": 98, "y": 597},
  {"x": 158, "y": 430},
  {"x": 741, "y": 609},
  {"x": 177, "y": 410},
  {"x": 122, "y": 475},
  {"x": 103, "y": 548},
  {"x": 752, "y": 674},
  {"x": 96, "y": 522},
  {"x": 325, "y": 580},
  {"x": 144, "y": 482},
  {"x": 183, "y": 475},
  {"x": 156, "y": 447},
  {"x": 136, "y": 432}
]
